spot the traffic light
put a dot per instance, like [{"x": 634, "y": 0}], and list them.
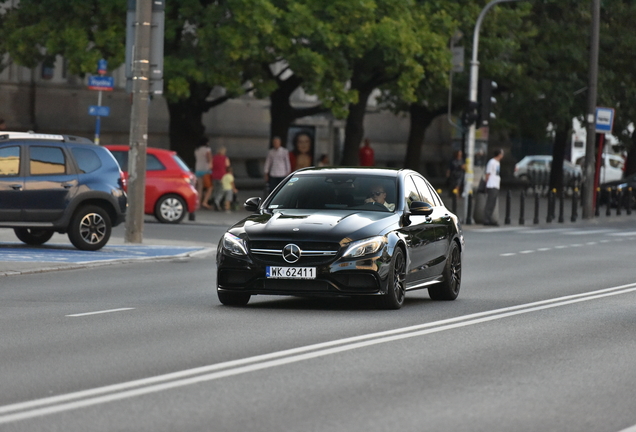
[
  {"x": 470, "y": 114},
  {"x": 486, "y": 100}
]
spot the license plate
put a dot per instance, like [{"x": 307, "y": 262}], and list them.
[{"x": 291, "y": 272}]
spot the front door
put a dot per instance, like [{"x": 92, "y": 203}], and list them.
[
  {"x": 49, "y": 186},
  {"x": 11, "y": 183}
]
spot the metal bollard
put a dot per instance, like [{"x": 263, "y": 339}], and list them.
[
  {"x": 536, "y": 209},
  {"x": 522, "y": 207},
  {"x": 191, "y": 216},
  {"x": 561, "y": 206},
  {"x": 597, "y": 207},
  {"x": 469, "y": 210},
  {"x": 608, "y": 211},
  {"x": 619, "y": 201},
  {"x": 575, "y": 206},
  {"x": 550, "y": 207},
  {"x": 628, "y": 201},
  {"x": 454, "y": 201},
  {"x": 508, "y": 201}
]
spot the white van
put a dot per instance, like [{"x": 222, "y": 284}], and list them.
[{"x": 611, "y": 167}]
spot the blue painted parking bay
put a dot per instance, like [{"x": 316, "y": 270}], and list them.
[{"x": 52, "y": 253}]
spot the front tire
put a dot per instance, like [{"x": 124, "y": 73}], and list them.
[
  {"x": 32, "y": 236},
  {"x": 448, "y": 289},
  {"x": 233, "y": 298},
  {"x": 395, "y": 292},
  {"x": 90, "y": 228},
  {"x": 170, "y": 209}
]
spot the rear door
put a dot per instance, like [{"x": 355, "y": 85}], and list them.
[
  {"x": 50, "y": 185},
  {"x": 11, "y": 183}
]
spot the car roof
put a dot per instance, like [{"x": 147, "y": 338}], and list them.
[
  {"x": 154, "y": 150},
  {"x": 6, "y": 136},
  {"x": 379, "y": 171}
]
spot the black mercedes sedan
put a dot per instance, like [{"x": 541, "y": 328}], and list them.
[{"x": 343, "y": 232}]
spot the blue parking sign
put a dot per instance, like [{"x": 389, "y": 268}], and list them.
[{"x": 604, "y": 120}]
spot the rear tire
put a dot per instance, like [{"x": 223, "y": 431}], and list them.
[
  {"x": 170, "y": 209},
  {"x": 33, "y": 236},
  {"x": 233, "y": 298},
  {"x": 90, "y": 228},
  {"x": 395, "y": 291},
  {"x": 449, "y": 288}
]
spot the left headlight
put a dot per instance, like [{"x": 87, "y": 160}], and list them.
[
  {"x": 234, "y": 245},
  {"x": 364, "y": 247}
]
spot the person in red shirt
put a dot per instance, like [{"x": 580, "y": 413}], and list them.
[{"x": 366, "y": 155}]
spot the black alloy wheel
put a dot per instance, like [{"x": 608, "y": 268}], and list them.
[
  {"x": 395, "y": 293},
  {"x": 233, "y": 298},
  {"x": 448, "y": 289},
  {"x": 90, "y": 228},
  {"x": 33, "y": 236}
]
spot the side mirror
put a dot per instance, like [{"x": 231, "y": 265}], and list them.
[
  {"x": 419, "y": 208},
  {"x": 252, "y": 204}
]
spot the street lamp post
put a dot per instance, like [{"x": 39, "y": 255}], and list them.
[{"x": 472, "y": 100}]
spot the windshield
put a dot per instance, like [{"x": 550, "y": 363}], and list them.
[{"x": 337, "y": 191}]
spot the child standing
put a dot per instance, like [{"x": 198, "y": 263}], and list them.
[{"x": 229, "y": 189}]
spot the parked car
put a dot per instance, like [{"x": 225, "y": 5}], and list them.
[
  {"x": 536, "y": 168},
  {"x": 59, "y": 183},
  {"x": 343, "y": 232},
  {"x": 612, "y": 167},
  {"x": 170, "y": 185},
  {"x": 616, "y": 191}
]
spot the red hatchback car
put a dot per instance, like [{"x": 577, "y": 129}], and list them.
[{"x": 170, "y": 185}]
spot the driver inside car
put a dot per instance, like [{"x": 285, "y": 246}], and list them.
[{"x": 378, "y": 196}]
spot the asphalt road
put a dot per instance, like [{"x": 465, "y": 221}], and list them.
[{"x": 540, "y": 338}]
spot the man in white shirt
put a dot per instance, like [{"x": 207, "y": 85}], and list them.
[
  {"x": 493, "y": 182},
  {"x": 277, "y": 164}
]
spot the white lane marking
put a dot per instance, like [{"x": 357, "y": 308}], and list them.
[
  {"x": 544, "y": 249},
  {"x": 70, "y": 401},
  {"x": 623, "y": 234},
  {"x": 547, "y": 231},
  {"x": 508, "y": 254},
  {"x": 576, "y": 245},
  {"x": 526, "y": 251},
  {"x": 591, "y": 243},
  {"x": 560, "y": 247},
  {"x": 99, "y": 312},
  {"x": 584, "y": 232}
]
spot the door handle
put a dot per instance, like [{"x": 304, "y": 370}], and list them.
[{"x": 16, "y": 186}]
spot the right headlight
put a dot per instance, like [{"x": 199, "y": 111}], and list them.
[
  {"x": 234, "y": 245},
  {"x": 364, "y": 247}
]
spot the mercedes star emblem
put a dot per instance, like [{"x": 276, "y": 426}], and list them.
[{"x": 291, "y": 253}]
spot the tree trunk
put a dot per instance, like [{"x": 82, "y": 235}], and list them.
[
  {"x": 281, "y": 112},
  {"x": 420, "y": 119},
  {"x": 561, "y": 139},
  {"x": 354, "y": 129},
  {"x": 186, "y": 128}
]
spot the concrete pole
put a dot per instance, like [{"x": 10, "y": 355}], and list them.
[
  {"x": 472, "y": 97},
  {"x": 590, "y": 143},
  {"x": 139, "y": 123}
]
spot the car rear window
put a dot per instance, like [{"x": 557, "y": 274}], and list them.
[
  {"x": 87, "y": 159},
  {"x": 181, "y": 163}
]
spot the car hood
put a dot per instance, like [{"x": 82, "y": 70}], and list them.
[{"x": 322, "y": 225}]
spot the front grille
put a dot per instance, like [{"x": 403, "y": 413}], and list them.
[{"x": 312, "y": 253}]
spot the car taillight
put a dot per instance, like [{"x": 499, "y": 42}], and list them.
[
  {"x": 122, "y": 181},
  {"x": 190, "y": 178}
]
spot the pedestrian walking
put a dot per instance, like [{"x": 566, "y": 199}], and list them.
[
  {"x": 229, "y": 190},
  {"x": 277, "y": 165},
  {"x": 202, "y": 171},
  {"x": 220, "y": 163},
  {"x": 493, "y": 183},
  {"x": 366, "y": 154}
]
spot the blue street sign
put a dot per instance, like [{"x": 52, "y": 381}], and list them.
[
  {"x": 100, "y": 83},
  {"x": 604, "y": 120},
  {"x": 96, "y": 110},
  {"x": 102, "y": 67}
]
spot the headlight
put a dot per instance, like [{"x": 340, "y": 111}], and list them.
[
  {"x": 364, "y": 247},
  {"x": 234, "y": 245}
]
